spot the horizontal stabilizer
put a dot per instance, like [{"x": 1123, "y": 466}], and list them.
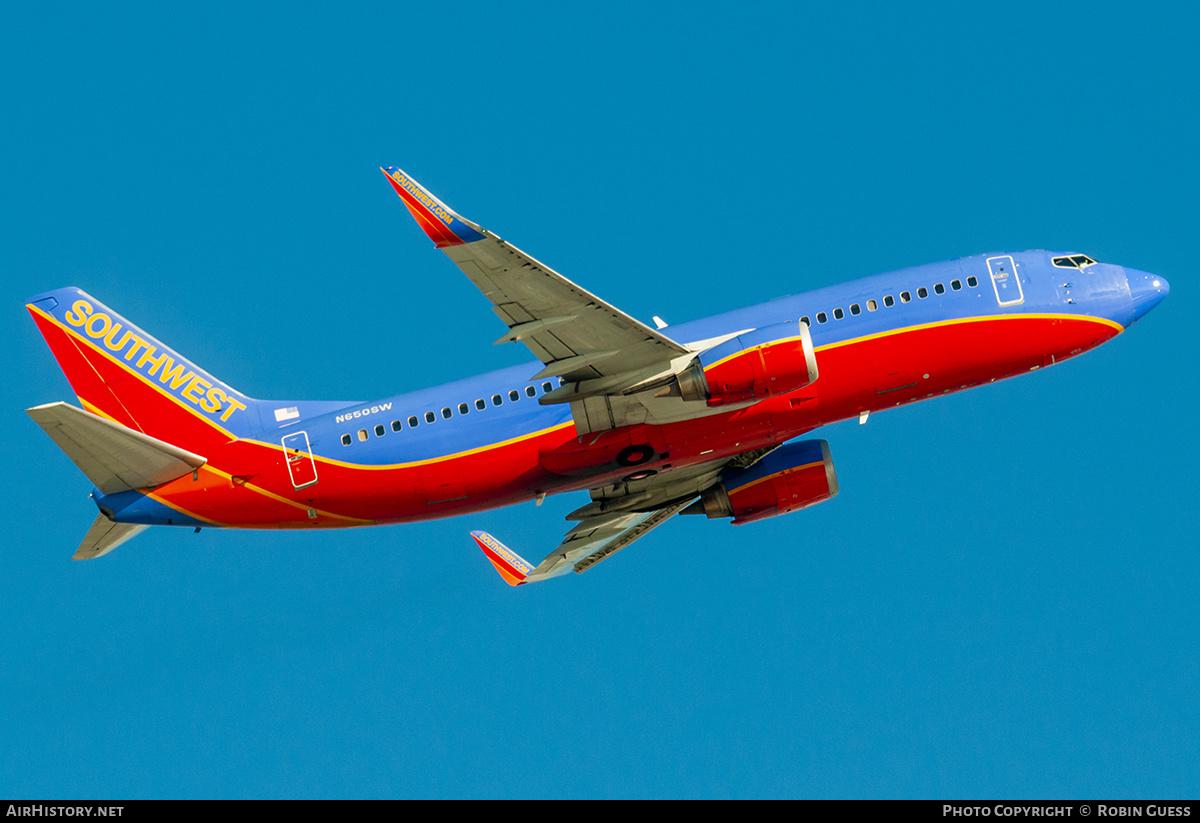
[
  {"x": 114, "y": 457},
  {"x": 512, "y": 567},
  {"x": 104, "y": 536}
]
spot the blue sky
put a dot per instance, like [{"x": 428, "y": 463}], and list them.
[{"x": 1001, "y": 601}]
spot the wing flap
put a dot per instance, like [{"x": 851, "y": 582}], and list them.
[
  {"x": 633, "y": 531},
  {"x": 114, "y": 457}
]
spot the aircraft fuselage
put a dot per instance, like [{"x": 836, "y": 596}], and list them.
[{"x": 483, "y": 442}]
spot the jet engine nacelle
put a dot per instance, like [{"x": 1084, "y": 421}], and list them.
[
  {"x": 762, "y": 363},
  {"x": 792, "y": 477}
]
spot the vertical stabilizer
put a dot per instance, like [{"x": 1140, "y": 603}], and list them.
[{"x": 124, "y": 374}]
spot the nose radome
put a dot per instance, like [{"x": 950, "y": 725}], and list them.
[{"x": 1147, "y": 290}]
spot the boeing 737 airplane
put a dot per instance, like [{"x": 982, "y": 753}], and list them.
[{"x": 697, "y": 418}]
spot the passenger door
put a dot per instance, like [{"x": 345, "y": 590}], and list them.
[
  {"x": 301, "y": 467},
  {"x": 1005, "y": 281}
]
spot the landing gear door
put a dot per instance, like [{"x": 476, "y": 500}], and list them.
[
  {"x": 1005, "y": 281},
  {"x": 301, "y": 466}
]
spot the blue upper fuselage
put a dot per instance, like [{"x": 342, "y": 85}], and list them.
[{"x": 489, "y": 408}]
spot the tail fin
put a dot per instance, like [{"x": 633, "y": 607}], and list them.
[
  {"x": 125, "y": 375},
  {"x": 512, "y": 567}
]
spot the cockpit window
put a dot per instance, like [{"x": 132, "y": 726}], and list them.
[{"x": 1075, "y": 261}]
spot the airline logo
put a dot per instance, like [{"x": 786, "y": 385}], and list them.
[
  {"x": 502, "y": 551},
  {"x": 443, "y": 227},
  {"x": 436, "y": 208},
  {"x": 183, "y": 382}
]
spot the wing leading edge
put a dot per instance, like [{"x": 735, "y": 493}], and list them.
[{"x": 577, "y": 336}]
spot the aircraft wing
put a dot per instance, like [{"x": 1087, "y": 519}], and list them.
[
  {"x": 578, "y": 336},
  {"x": 593, "y": 540},
  {"x": 617, "y": 516}
]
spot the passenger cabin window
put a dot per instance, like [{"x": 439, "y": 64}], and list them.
[
  {"x": 838, "y": 314},
  {"x": 514, "y": 396},
  {"x": 806, "y": 321},
  {"x": 939, "y": 289},
  {"x": 872, "y": 305},
  {"x": 379, "y": 430},
  {"x": 821, "y": 317},
  {"x": 547, "y": 387},
  {"x": 922, "y": 292},
  {"x": 972, "y": 281},
  {"x": 446, "y": 413},
  {"x": 530, "y": 391},
  {"x": 395, "y": 425},
  {"x": 854, "y": 309},
  {"x": 889, "y": 301},
  {"x": 345, "y": 440},
  {"x": 362, "y": 435},
  {"x": 480, "y": 404},
  {"x": 463, "y": 408},
  {"x": 412, "y": 422},
  {"x": 905, "y": 297},
  {"x": 497, "y": 400},
  {"x": 430, "y": 417},
  {"x": 956, "y": 284}
]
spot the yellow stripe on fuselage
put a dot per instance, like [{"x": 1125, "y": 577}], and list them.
[
  {"x": 984, "y": 318},
  {"x": 936, "y": 324},
  {"x": 431, "y": 460}
]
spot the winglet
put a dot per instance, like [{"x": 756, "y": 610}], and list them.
[
  {"x": 444, "y": 226},
  {"x": 512, "y": 567}
]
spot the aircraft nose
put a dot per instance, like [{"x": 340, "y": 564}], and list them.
[{"x": 1147, "y": 290}]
